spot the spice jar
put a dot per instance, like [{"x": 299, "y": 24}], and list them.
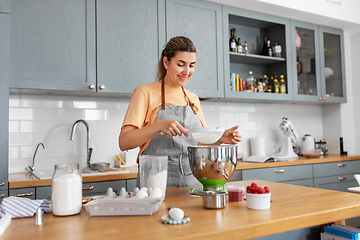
[{"x": 66, "y": 189}]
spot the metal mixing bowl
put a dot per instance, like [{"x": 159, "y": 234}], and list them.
[{"x": 212, "y": 166}]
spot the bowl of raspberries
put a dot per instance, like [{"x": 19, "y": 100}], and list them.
[{"x": 257, "y": 197}]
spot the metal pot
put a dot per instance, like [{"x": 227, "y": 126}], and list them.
[
  {"x": 214, "y": 200},
  {"x": 213, "y": 166}
]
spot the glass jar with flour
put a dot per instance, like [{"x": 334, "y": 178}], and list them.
[
  {"x": 66, "y": 189},
  {"x": 153, "y": 172}
]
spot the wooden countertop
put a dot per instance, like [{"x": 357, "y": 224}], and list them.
[
  {"x": 23, "y": 180},
  {"x": 293, "y": 207}
]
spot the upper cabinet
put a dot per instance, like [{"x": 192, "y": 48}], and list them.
[
  {"x": 52, "y": 45},
  {"x": 318, "y": 63},
  {"x": 251, "y": 27},
  {"x": 202, "y": 23},
  {"x": 4, "y": 6}
]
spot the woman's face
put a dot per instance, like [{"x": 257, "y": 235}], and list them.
[{"x": 179, "y": 69}]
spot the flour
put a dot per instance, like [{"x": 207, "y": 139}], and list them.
[
  {"x": 158, "y": 180},
  {"x": 66, "y": 195}
]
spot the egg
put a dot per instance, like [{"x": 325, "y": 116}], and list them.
[
  {"x": 141, "y": 194},
  {"x": 156, "y": 193},
  {"x": 176, "y": 213}
]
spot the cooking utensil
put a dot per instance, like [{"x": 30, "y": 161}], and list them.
[
  {"x": 99, "y": 165},
  {"x": 206, "y": 135},
  {"x": 213, "y": 166},
  {"x": 214, "y": 199}
]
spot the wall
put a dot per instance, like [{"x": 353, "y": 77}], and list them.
[{"x": 48, "y": 119}]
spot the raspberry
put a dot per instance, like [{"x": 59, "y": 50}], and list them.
[
  {"x": 267, "y": 190},
  {"x": 248, "y": 191},
  {"x": 260, "y": 190},
  {"x": 254, "y": 185}
]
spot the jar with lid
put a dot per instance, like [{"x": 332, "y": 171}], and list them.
[{"x": 66, "y": 189}]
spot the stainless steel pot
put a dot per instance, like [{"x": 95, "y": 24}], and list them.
[
  {"x": 214, "y": 200},
  {"x": 213, "y": 166}
]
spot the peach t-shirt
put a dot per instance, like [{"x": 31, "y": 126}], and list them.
[{"x": 146, "y": 101}]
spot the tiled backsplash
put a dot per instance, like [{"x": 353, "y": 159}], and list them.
[{"x": 48, "y": 119}]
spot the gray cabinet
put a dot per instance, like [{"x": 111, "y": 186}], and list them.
[
  {"x": 52, "y": 45},
  {"x": 43, "y": 192},
  {"x": 4, "y": 6},
  {"x": 202, "y": 23},
  {"x": 251, "y": 27},
  {"x": 128, "y": 37},
  {"x": 23, "y": 192},
  {"x": 3, "y": 194},
  {"x": 4, "y": 99},
  {"x": 100, "y": 188}
]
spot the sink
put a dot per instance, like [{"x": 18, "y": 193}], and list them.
[{"x": 47, "y": 174}]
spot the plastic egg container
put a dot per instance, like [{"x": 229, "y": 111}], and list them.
[{"x": 144, "y": 201}]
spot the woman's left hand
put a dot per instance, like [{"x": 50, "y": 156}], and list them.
[{"x": 230, "y": 136}]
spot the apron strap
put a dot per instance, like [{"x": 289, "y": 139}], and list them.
[
  {"x": 191, "y": 104},
  {"x": 162, "y": 94}
]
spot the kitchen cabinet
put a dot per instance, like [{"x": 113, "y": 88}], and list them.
[
  {"x": 23, "y": 192},
  {"x": 318, "y": 63},
  {"x": 130, "y": 185},
  {"x": 4, "y": 6},
  {"x": 3, "y": 194},
  {"x": 251, "y": 27},
  {"x": 43, "y": 192},
  {"x": 202, "y": 23},
  {"x": 100, "y": 188},
  {"x": 4, "y": 99},
  {"x": 52, "y": 45}
]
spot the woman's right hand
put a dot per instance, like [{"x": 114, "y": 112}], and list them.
[{"x": 171, "y": 128}]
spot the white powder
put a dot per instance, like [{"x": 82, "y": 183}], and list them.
[
  {"x": 66, "y": 194},
  {"x": 158, "y": 180}
]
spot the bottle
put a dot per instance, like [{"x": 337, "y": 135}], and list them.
[
  {"x": 282, "y": 85},
  {"x": 266, "y": 83},
  {"x": 255, "y": 89},
  {"x": 269, "y": 52},
  {"x": 276, "y": 87},
  {"x": 232, "y": 41},
  {"x": 277, "y": 50},
  {"x": 250, "y": 82},
  {"x": 264, "y": 49},
  {"x": 298, "y": 65},
  {"x": 260, "y": 87},
  {"x": 66, "y": 189},
  {"x": 239, "y": 46},
  {"x": 245, "y": 48}
]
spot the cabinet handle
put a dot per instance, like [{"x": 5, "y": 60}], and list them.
[
  {"x": 2, "y": 184},
  {"x": 342, "y": 178},
  {"x": 320, "y": 98},
  {"x": 280, "y": 171},
  {"x": 92, "y": 86},
  {"x": 23, "y": 194},
  {"x": 2, "y": 195},
  {"x": 88, "y": 188},
  {"x": 342, "y": 165},
  {"x": 324, "y": 98},
  {"x": 102, "y": 87}
]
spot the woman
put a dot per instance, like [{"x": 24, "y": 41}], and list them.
[{"x": 160, "y": 112}]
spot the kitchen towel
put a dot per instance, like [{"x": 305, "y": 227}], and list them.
[{"x": 24, "y": 207}]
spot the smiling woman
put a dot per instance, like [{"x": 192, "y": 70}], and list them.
[{"x": 166, "y": 107}]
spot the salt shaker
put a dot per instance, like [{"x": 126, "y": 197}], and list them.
[{"x": 66, "y": 190}]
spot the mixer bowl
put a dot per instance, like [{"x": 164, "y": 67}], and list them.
[{"x": 213, "y": 166}]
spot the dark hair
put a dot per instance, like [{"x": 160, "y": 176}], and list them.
[{"x": 174, "y": 45}]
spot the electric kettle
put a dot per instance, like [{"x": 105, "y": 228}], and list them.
[{"x": 307, "y": 143}]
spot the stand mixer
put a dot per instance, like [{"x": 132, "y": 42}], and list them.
[{"x": 286, "y": 151}]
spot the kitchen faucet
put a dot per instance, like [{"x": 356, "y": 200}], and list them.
[
  {"x": 88, "y": 150},
  {"x": 32, "y": 168}
]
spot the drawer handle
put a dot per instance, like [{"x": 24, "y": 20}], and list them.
[
  {"x": 280, "y": 171},
  {"x": 23, "y": 194},
  {"x": 2, "y": 184},
  {"x": 2, "y": 195},
  {"x": 342, "y": 178},
  {"x": 88, "y": 188},
  {"x": 342, "y": 165}
]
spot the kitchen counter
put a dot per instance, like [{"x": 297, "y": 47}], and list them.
[
  {"x": 293, "y": 207},
  {"x": 23, "y": 180}
]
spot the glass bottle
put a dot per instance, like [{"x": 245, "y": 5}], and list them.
[
  {"x": 264, "y": 49},
  {"x": 239, "y": 46},
  {"x": 269, "y": 52},
  {"x": 298, "y": 65},
  {"x": 276, "y": 87},
  {"x": 250, "y": 82},
  {"x": 66, "y": 189},
  {"x": 232, "y": 41},
  {"x": 245, "y": 48},
  {"x": 282, "y": 85},
  {"x": 277, "y": 50}
]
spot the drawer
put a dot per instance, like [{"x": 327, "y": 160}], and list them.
[
  {"x": 309, "y": 182},
  {"x": 130, "y": 185},
  {"x": 339, "y": 182},
  {"x": 100, "y": 188},
  {"x": 3, "y": 194},
  {"x": 43, "y": 192},
  {"x": 23, "y": 192},
  {"x": 279, "y": 174},
  {"x": 336, "y": 168}
]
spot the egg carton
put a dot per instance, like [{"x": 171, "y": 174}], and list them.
[{"x": 123, "y": 205}]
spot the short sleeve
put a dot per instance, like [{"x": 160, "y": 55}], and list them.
[{"x": 137, "y": 111}]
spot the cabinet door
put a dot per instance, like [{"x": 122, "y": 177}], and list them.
[
  {"x": 251, "y": 27},
  {"x": 332, "y": 65},
  {"x": 3, "y": 194},
  {"x": 202, "y": 23},
  {"x": 100, "y": 188},
  {"x": 23, "y": 192},
  {"x": 4, "y": 6},
  {"x": 306, "y": 61},
  {"x": 128, "y": 35},
  {"x": 338, "y": 183},
  {"x": 43, "y": 192},
  {"x": 130, "y": 185},
  {"x": 52, "y": 44},
  {"x": 4, "y": 99}
]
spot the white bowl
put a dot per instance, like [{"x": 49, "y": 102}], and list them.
[
  {"x": 207, "y": 135},
  {"x": 258, "y": 201}
]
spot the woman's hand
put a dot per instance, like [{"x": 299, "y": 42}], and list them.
[
  {"x": 171, "y": 128},
  {"x": 230, "y": 136}
]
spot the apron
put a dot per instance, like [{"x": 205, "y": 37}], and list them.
[{"x": 172, "y": 147}]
